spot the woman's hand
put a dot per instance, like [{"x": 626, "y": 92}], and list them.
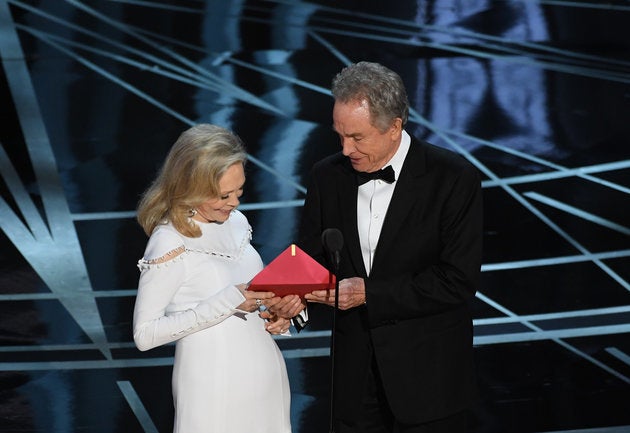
[
  {"x": 254, "y": 301},
  {"x": 277, "y": 325}
]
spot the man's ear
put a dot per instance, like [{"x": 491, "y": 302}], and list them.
[{"x": 396, "y": 128}]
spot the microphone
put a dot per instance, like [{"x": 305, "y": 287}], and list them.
[{"x": 332, "y": 240}]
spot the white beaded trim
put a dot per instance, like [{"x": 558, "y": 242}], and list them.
[
  {"x": 164, "y": 261},
  {"x": 166, "y": 257},
  {"x": 156, "y": 264}
]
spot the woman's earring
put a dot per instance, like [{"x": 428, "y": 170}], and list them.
[{"x": 192, "y": 212}]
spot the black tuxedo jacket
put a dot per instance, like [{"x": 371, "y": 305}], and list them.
[{"x": 426, "y": 268}]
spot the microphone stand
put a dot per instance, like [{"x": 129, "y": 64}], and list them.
[{"x": 335, "y": 260}]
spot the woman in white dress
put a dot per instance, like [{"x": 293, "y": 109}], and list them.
[{"x": 229, "y": 375}]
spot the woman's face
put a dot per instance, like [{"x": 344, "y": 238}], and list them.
[{"x": 231, "y": 188}]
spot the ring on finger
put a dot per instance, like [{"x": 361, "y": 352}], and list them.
[{"x": 258, "y": 302}]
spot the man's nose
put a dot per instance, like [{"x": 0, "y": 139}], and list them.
[{"x": 347, "y": 147}]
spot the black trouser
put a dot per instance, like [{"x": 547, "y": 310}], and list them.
[{"x": 377, "y": 417}]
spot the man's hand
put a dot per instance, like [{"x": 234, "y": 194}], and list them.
[
  {"x": 287, "y": 307},
  {"x": 351, "y": 294}
]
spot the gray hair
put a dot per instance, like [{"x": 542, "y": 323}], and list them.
[{"x": 380, "y": 87}]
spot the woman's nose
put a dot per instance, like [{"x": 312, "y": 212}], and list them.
[{"x": 234, "y": 201}]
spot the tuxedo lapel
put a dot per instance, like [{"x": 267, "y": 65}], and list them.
[
  {"x": 404, "y": 198},
  {"x": 347, "y": 199}
]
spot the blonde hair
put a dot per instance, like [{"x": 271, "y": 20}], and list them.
[{"x": 189, "y": 176}]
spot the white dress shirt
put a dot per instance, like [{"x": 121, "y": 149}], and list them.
[{"x": 372, "y": 202}]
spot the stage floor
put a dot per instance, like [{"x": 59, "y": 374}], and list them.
[{"x": 93, "y": 93}]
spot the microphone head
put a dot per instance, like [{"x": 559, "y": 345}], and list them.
[{"x": 332, "y": 239}]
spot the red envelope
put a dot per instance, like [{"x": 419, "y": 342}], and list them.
[{"x": 293, "y": 272}]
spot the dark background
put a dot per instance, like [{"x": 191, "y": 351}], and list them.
[{"x": 93, "y": 94}]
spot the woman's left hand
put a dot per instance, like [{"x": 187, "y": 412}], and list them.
[{"x": 277, "y": 325}]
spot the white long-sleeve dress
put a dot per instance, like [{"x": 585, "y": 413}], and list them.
[{"x": 229, "y": 375}]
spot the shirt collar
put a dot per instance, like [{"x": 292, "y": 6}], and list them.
[{"x": 399, "y": 157}]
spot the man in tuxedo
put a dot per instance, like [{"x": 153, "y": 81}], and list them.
[{"x": 411, "y": 218}]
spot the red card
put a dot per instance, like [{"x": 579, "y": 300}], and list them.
[{"x": 293, "y": 272}]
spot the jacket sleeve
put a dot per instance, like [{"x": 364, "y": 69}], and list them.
[{"x": 310, "y": 230}]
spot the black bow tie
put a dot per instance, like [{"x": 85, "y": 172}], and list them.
[{"x": 387, "y": 174}]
